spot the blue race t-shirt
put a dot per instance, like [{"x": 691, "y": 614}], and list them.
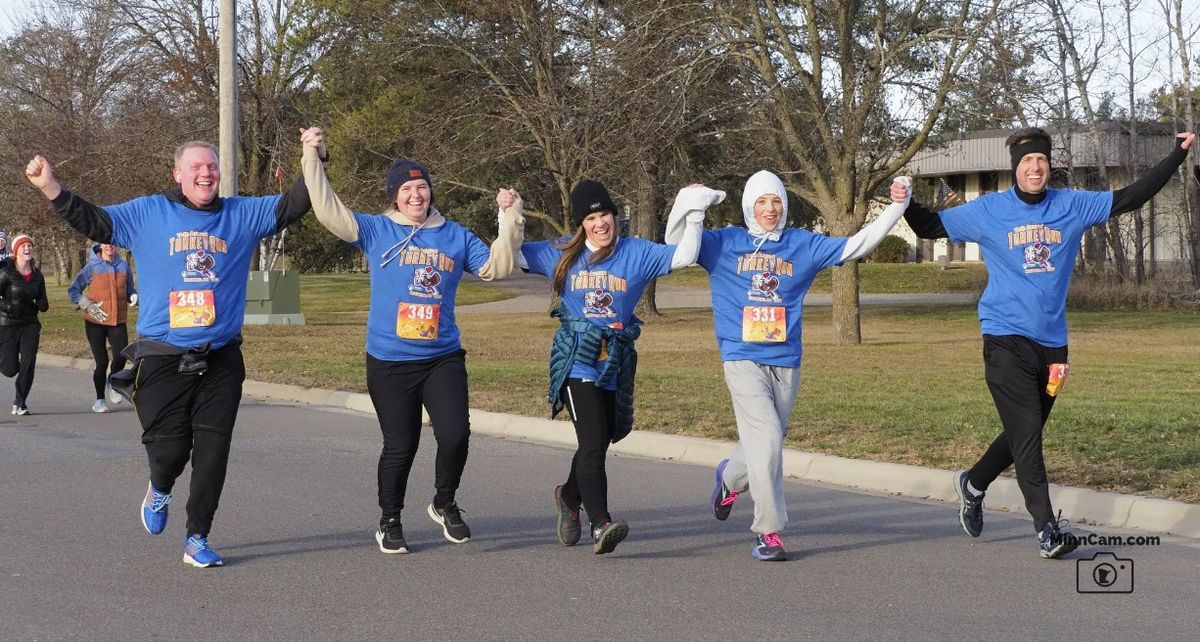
[
  {"x": 192, "y": 264},
  {"x": 413, "y": 284},
  {"x": 604, "y": 293},
  {"x": 1030, "y": 252},
  {"x": 758, "y": 295}
]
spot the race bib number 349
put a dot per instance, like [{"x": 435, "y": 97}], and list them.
[
  {"x": 764, "y": 324},
  {"x": 192, "y": 309},
  {"x": 418, "y": 321}
]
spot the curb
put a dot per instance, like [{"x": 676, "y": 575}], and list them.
[{"x": 1080, "y": 505}]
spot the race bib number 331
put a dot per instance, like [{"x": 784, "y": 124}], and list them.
[
  {"x": 192, "y": 309},
  {"x": 764, "y": 324},
  {"x": 418, "y": 321}
]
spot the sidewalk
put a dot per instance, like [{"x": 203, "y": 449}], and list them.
[{"x": 1080, "y": 505}]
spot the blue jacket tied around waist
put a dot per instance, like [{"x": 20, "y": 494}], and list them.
[{"x": 580, "y": 339}]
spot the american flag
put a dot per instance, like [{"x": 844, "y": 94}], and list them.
[{"x": 947, "y": 195}]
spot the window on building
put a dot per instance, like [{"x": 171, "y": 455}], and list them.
[{"x": 988, "y": 182}]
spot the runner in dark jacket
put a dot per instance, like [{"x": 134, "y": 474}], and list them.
[{"x": 22, "y": 296}]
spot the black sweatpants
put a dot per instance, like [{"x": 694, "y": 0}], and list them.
[
  {"x": 99, "y": 337},
  {"x": 593, "y": 411},
  {"x": 1016, "y": 369},
  {"x": 190, "y": 414},
  {"x": 398, "y": 389},
  {"x": 18, "y": 356}
]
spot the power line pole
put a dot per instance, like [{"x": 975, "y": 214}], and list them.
[{"x": 227, "y": 80}]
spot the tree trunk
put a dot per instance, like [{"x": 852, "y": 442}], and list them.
[
  {"x": 846, "y": 328},
  {"x": 1151, "y": 224},
  {"x": 1189, "y": 188},
  {"x": 1139, "y": 248},
  {"x": 644, "y": 223}
]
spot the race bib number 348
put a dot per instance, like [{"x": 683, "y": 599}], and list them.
[
  {"x": 192, "y": 309},
  {"x": 764, "y": 324},
  {"x": 418, "y": 321}
]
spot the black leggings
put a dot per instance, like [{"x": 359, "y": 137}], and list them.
[
  {"x": 18, "y": 356},
  {"x": 398, "y": 389},
  {"x": 192, "y": 415},
  {"x": 593, "y": 411},
  {"x": 1017, "y": 369},
  {"x": 98, "y": 336}
]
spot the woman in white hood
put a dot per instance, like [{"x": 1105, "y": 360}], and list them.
[{"x": 759, "y": 276}]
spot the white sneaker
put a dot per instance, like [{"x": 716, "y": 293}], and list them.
[
  {"x": 99, "y": 406},
  {"x": 113, "y": 397},
  {"x": 20, "y": 410}
]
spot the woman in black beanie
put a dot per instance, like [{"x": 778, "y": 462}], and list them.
[{"x": 599, "y": 278}]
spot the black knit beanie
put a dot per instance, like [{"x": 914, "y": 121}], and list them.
[{"x": 590, "y": 196}]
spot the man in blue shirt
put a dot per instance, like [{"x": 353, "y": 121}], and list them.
[
  {"x": 1029, "y": 235},
  {"x": 193, "y": 250}
]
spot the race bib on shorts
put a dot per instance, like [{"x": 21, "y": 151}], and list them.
[
  {"x": 418, "y": 321},
  {"x": 764, "y": 324},
  {"x": 192, "y": 309}
]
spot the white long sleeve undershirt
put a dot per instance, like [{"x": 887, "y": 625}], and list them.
[{"x": 871, "y": 235}]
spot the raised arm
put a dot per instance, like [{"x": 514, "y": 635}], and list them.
[
  {"x": 870, "y": 236},
  {"x": 685, "y": 223},
  {"x": 330, "y": 210},
  {"x": 85, "y": 218},
  {"x": 294, "y": 204},
  {"x": 505, "y": 252},
  {"x": 925, "y": 223},
  {"x": 1137, "y": 193}
]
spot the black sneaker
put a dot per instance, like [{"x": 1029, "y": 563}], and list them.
[
  {"x": 390, "y": 536},
  {"x": 606, "y": 536},
  {"x": 568, "y": 520},
  {"x": 453, "y": 526},
  {"x": 970, "y": 506},
  {"x": 1053, "y": 542}
]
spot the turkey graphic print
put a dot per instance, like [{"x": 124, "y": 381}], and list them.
[{"x": 1035, "y": 242}]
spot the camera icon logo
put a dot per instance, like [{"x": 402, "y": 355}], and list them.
[{"x": 1104, "y": 573}]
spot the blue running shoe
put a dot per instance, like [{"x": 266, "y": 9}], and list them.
[
  {"x": 154, "y": 510},
  {"x": 197, "y": 553},
  {"x": 970, "y": 506},
  {"x": 1054, "y": 542},
  {"x": 722, "y": 498}
]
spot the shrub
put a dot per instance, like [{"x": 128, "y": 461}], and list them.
[
  {"x": 893, "y": 249},
  {"x": 1098, "y": 293}
]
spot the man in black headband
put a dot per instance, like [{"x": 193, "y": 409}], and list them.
[{"x": 1029, "y": 236}]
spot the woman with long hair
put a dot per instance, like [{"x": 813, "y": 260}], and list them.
[
  {"x": 22, "y": 297},
  {"x": 599, "y": 277}
]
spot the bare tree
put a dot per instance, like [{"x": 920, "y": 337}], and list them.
[
  {"x": 1081, "y": 72},
  {"x": 1183, "y": 107},
  {"x": 825, "y": 73}
]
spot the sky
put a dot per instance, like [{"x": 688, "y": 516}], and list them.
[{"x": 9, "y": 9}]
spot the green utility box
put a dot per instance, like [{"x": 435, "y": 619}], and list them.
[{"x": 273, "y": 297}]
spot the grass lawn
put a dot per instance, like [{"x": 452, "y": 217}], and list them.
[
  {"x": 879, "y": 278},
  {"x": 1127, "y": 421}
]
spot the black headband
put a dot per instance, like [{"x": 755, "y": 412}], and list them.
[{"x": 1033, "y": 146}]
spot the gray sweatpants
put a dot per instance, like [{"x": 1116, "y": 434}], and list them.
[{"x": 762, "y": 403}]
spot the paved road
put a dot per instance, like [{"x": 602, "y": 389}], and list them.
[
  {"x": 533, "y": 295},
  {"x": 298, "y": 513}
]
